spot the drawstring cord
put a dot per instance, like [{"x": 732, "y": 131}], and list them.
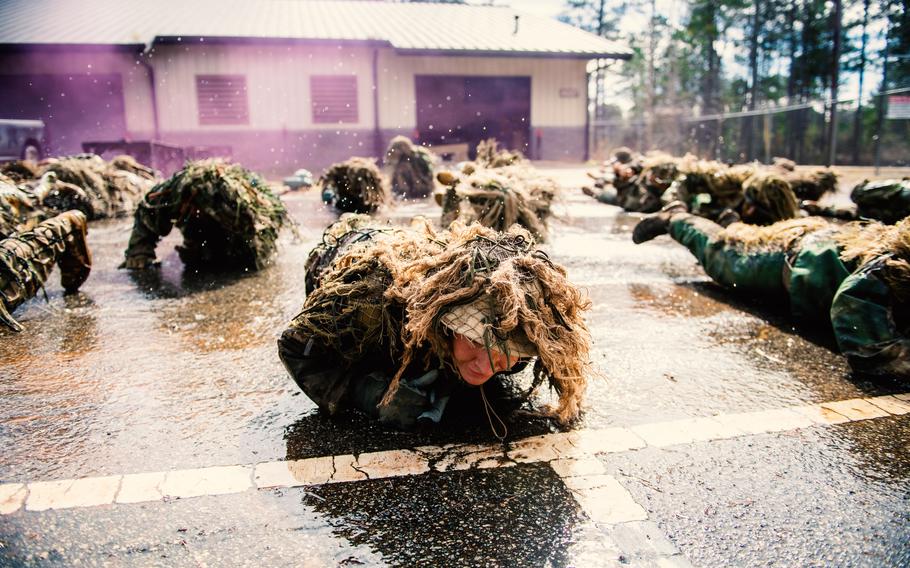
[{"x": 492, "y": 414}]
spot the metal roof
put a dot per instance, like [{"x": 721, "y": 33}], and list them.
[{"x": 408, "y": 27}]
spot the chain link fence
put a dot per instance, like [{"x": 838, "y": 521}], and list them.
[{"x": 864, "y": 136}]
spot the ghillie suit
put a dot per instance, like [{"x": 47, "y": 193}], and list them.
[
  {"x": 355, "y": 185},
  {"x": 496, "y": 200},
  {"x": 350, "y": 228},
  {"x": 128, "y": 163},
  {"x": 27, "y": 258},
  {"x": 377, "y": 332},
  {"x": 489, "y": 155},
  {"x": 708, "y": 188},
  {"x": 783, "y": 165},
  {"x": 814, "y": 184},
  {"x": 411, "y": 168},
  {"x": 886, "y": 200},
  {"x": 20, "y": 170},
  {"x": 19, "y": 209},
  {"x": 854, "y": 278},
  {"x": 767, "y": 199},
  {"x": 617, "y": 182},
  {"x": 228, "y": 216},
  {"x": 113, "y": 192}
]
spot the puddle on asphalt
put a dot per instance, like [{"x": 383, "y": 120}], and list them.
[{"x": 173, "y": 370}]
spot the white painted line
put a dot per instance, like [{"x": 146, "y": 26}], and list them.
[
  {"x": 891, "y": 404},
  {"x": 569, "y": 452},
  {"x": 140, "y": 487},
  {"x": 820, "y": 414},
  {"x": 685, "y": 431},
  {"x": 856, "y": 409},
  {"x": 12, "y": 495},
  {"x": 604, "y": 500},
  {"x": 207, "y": 481}
]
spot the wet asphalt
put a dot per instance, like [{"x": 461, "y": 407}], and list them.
[{"x": 174, "y": 370}]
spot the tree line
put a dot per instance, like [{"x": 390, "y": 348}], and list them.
[{"x": 786, "y": 55}]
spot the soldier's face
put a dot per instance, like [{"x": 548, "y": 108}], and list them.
[{"x": 473, "y": 361}]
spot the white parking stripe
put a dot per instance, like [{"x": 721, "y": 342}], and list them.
[{"x": 554, "y": 448}]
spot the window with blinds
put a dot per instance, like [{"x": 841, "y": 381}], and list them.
[
  {"x": 334, "y": 98},
  {"x": 222, "y": 99}
]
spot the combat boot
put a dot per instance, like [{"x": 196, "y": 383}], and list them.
[
  {"x": 658, "y": 223},
  {"x": 75, "y": 261}
]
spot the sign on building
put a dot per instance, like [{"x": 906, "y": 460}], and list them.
[{"x": 898, "y": 106}]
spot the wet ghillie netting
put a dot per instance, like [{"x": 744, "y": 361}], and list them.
[
  {"x": 229, "y": 218},
  {"x": 770, "y": 198},
  {"x": 114, "y": 189},
  {"x": 395, "y": 287},
  {"x": 410, "y": 167},
  {"x": 350, "y": 229},
  {"x": 355, "y": 186},
  {"x": 490, "y": 155},
  {"x": 20, "y": 170},
  {"x": 27, "y": 258},
  {"x": 19, "y": 209},
  {"x": 885, "y": 200},
  {"x": 812, "y": 184},
  {"x": 499, "y": 196},
  {"x": 494, "y": 200},
  {"x": 708, "y": 187}
]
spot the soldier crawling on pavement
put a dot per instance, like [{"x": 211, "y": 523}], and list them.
[
  {"x": 852, "y": 278},
  {"x": 27, "y": 258},
  {"x": 402, "y": 318},
  {"x": 229, "y": 218}
]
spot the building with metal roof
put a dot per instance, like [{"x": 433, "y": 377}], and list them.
[{"x": 282, "y": 84}]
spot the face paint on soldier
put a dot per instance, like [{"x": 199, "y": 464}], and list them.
[{"x": 473, "y": 360}]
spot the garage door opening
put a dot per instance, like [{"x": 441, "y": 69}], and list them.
[{"x": 465, "y": 110}]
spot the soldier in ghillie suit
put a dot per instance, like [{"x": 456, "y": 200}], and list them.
[
  {"x": 114, "y": 189},
  {"x": 638, "y": 186},
  {"x": 709, "y": 188},
  {"x": 405, "y": 317},
  {"x": 27, "y": 258},
  {"x": 229, "y": 218},
  {"x": 886, "y": 200},
  {"x": 854, "y": 278},
  {"x": 812, "y": 185},
  {"x": 497, "y": 198},
  {"x": 490, "y": 155},
  {"x": 410, "y": 168},
  {"x": 355, "y": 186}
]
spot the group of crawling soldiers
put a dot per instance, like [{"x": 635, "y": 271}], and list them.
[
  {"x": 753, "y": 193},
  {"x": 760, "y": 231},
  {"x": 399, "y": 320}
]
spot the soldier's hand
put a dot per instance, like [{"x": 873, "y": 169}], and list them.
[{"x": 411, "y": 400}]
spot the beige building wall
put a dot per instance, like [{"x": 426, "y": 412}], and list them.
[
  {"x": 558, "y": 86},
  {"x": 136, "y": 86},
  {"x": 277, "y": 78}
]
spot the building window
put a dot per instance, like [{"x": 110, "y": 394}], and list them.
[
  {"x": 222, "y": 99},
  {"x": 334, "y": 98}
]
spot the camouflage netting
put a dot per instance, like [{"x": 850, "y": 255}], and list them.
[
  {"x": 114, "y": 189},
  {"x": 771, "y": 197},
  {"x": 411, "y": 168},
  {"x": 708, "y": 187},
  {"x": 489, "y": 155},
  {"x": 27, "y": 258},
  {"x": 424, "y": 274},
  {"x": 19, "y": 209},
  {"x": 813, "y": 184},
  {"x": 20, "y": 170},
  {"x": 498, "y": 199},
  {"x": 229, "y": 218},
  {"x": 356, "y": 186},
  {"x": 885, "y": 200}
]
